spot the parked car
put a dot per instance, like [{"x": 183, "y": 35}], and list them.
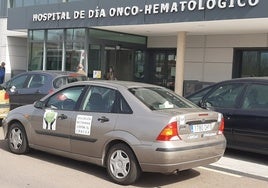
[
  {"x": 126, "y": 127},
  {"x": 4, "y": 104},
  {"x": 27, "y": 87},
  {"x": 244, "y": 105}
]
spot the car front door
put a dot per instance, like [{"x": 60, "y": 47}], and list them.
[
  {"x": 94, "y": 122},
  {"x": 51, "y": 124},
  {"x": 225, "y": 99}
]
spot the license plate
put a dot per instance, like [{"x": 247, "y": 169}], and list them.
[{"x": 201, "y": 128}]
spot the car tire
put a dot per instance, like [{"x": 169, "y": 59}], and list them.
[
  {"x": 122, "y": 165},
  {"x": 17, "y": 139}
]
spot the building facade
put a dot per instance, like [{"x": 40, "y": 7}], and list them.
[{"x": 160, "y": 42}]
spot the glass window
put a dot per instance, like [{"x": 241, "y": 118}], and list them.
[
  {"x": 264, "y": 64},
  {"x": 41, "y": 2},
  {"x": 60, "y": 81},
  {"x": 75, "y": 34},
  {"x": 256, "y": 97},
  {"x": 122, "y": 37},
  {"x": 196, "y": 98},
  {"x": 249, "y": 64},
  {"x": 100, "y": 99},
  {"x": 139, "y": 64},
  {"x": 29, "y": 2},
  {"x": 37, "y": 35},
  {"x": 55, "y": 35},
  {"x": 159, "y": 98},
  {"x": 37, "y": 81},
  {"x": 75, "y": 55},
  {"x": 18, "y": 82},
  {"x": 36, "y": 56},
  {"x": 224, "y": 96},
  {"x": 54, "y": 56},
  {"x": 65, "y": 99},
  {"x": 94, "y": 59},
  {"x": 17, "y": 3}
]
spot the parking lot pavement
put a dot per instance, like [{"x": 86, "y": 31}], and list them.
[{"x": 243, "y": 164}]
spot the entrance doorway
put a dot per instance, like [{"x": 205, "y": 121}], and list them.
[
  {"x": 164, "y": 68},
  {"x": 121, "y": 60}
]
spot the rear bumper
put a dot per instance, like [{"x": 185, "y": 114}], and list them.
[{"x": 172, "y": 159}]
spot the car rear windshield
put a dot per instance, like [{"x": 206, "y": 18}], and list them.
[
  {"x": 60, "y": 81},
  {"x": 159, "y": 98}
]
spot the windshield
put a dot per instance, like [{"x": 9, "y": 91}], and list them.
[{"x": 160, "y": 98}]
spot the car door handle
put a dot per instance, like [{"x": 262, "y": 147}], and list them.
[
  {"x": 62, "y": 116},
  {"x": 103, "y": 119},
  {"x": 37, "y": 91}
]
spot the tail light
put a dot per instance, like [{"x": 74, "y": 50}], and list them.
[
  {"x": 50, "y": 91},
  {"x": 169, "y": 133},
  {"x": 6, "y": 97},
  {"x": 221, "y": 126}
]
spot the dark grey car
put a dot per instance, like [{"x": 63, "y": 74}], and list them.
[
  {"x": 28, "y": 87},
  {"x": 244, "y": 105}
]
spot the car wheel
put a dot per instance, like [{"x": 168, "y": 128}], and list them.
[
  {"x": 122, "y": 165},
  {"x": 17, "y": 139}
]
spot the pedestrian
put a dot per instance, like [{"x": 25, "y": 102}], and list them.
[
  {"x": 110, "y": 75},
  {"x": 2, "y": 72},
  {"x": 80, "y": 69}
]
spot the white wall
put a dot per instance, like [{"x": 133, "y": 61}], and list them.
[
  {"x": 210, "y": 58},
  {"x": 13, "y": 49}
]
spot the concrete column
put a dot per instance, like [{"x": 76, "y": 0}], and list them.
[{"x": 181, "y": 38}]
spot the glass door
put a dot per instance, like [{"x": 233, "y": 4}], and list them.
[
  {"x": 164, "y": 68},
  {"x": 121, "y": 61}
]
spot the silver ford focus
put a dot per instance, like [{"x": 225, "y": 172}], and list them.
[{"x": 127, "y": 127}]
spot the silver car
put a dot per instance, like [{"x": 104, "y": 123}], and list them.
[{"x": 126, "y": 127}]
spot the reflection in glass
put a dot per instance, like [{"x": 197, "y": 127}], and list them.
[
  {"x": 36, "y": 56},
  {"x": 54, "y": 56},
  {"x": 55, "y": 35},
  {"x": 75, "y": 55}
]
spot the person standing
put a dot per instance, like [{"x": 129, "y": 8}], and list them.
[
  {"x": 110, "y": 74},
  {"x": 2, "y": 72},
  {"x": 80, "y": 69}
]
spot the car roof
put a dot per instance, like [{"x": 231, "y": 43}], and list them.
[
  {"x": 235, "y": 80},
  {"x": 53, "y": 73},
  {"x": 115, "y": 83},
  {"x": 246, "y": 79}
]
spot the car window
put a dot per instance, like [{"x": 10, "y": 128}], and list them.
[
  {"x": 197, "y": 97},
  {"x": 60, "y": 81},
  {"x": 65, "y": 99},
  {"x": 224, "y": 96},
  {"x": 36, "y": 81},
  {"x": 256, "y": 97},
  {"x": 99, "y": 99},
  {"x": 18, "y": 82},
  {"x": 160, "y": 98}
]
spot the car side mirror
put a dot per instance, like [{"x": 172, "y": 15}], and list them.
[
  {"x": 39, "y": 104},
  {"x": 12, "y": 89},
  {"x": 202, "y": 104}
]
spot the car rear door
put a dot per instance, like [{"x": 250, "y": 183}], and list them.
[
  {"x": 251, "y": 128},
  {"x": 15, "y": 87},
  {"x": 27, "y": 88},
  {"x": 94, "y": 122}
]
